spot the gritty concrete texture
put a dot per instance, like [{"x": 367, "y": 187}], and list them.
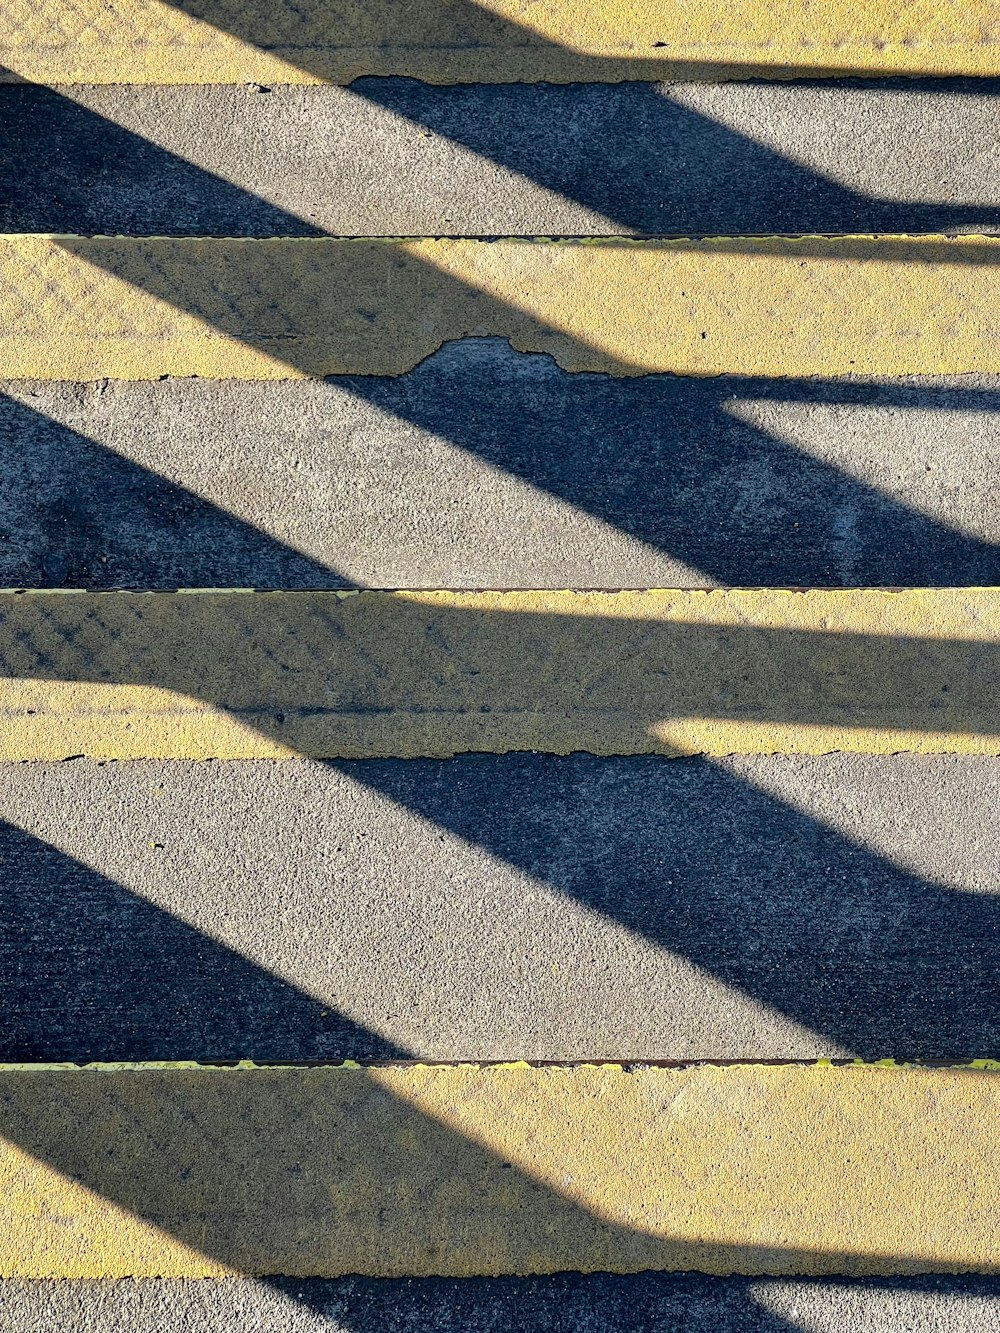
[
  {"x": 86, "y": 308},
  {"x": 523, "y": 159},
  {"x": 501, "y": 908},
  {"x": 524, "y": 905},
  {"x": 202, "y": 674},
  {"x": 302, "y": 41},
  {"x": 562, "y": 1303},
  {"x": 566, "y": 481},
  {"x": 152, "y": 1171}
]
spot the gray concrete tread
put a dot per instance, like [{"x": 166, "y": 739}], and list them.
[
  {"x": 488, "y": 468},
  {"x": 501, "y": 907},
  {"x": 567, "y": 1303},
  {"x": 392, "y": 156}
]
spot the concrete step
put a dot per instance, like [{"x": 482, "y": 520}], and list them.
[
  {"x": 567, "y": 1303},
  {"x": 501, "y": 908},
  {"x": 485, "y": 468},
  {"x": 398, "y": 157}
]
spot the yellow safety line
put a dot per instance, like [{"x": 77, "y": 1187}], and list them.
[
  {"x": 237, "y": 675},
  {"x": 506, "y": 1169},
  {"x": 310, "y": 41},
  {"x": 89, "y": 308}
]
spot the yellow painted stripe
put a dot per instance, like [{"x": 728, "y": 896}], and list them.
[
  {"x": 85, "y": 308},
  {"x": 247, "y": 675},
  {"x": 301, "y": 41},
  {"x": 465, "y": 1170}
]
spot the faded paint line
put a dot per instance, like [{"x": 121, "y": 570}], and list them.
[
  {"x": 132, "y": 308},
  {"x": 243, "y": 675},
  {"x": 510, "y": 1169},
  {"x": 489, "y": 41}
]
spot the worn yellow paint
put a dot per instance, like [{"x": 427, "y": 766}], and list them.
[
  {"x": 252, "y": 675},
  {"x": 273, "y": 41},
  {"x": 132, "y": 308},
  {"x": 466, "y": 1169}
]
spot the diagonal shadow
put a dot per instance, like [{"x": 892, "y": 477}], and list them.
[
  {"x": 960, "y": 551},
  {"x": 825, "y": 932},
  {"x": 764, "y": 897},
  {"x": 183, "y": 1150},
  {"x": 120, "y": 1180},
  {"x": 299, "y": 34},
  {"x": 885, "y": 996},
  {"x": 656, "y": 167},
  {"x": 98, "y": 967},
  {"x": 66, "y": 169},
  {"x": 895, "y": 545},
  {"x": 666, "y": 460},
  {"x": 310, "y": 669},
  {"x": 92, "y": 972},
  {"x": 646, "y": 164},
  {"x": 76, "y": 513}
]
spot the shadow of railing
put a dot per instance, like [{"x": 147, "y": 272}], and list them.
[
  {"x": 793, "y": 917},
  {"x": 182, "y": 1149},
  {"x": 626, "y": 153},
  {"x": 638, "y": 1304},
  {"x": 654, "y": 166},
  {"x": 823, "y": 930},
  {"x": 766, "y": 898},
  {"x": 462, "y": 40},
  {"x": 76, "y": 512},
  {"x": 669, "y": 461},
  {"x": 373, "y": 675},
  {"x": 694, "y": 469},
  {"x": 93, "y": 971},
  {"x": 470, "y": 1172}
]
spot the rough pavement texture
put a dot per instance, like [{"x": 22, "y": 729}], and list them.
[
  {"x": 303, "y": 41},
  {"x": 497, "y": 1170},
  {"x": 754, "y": 158},
  {"x": 566, "y": 1303},
  {"x": 423, "y": 481},
  {"x": 140, "y": 308},
  {"x": 501, "y": 908},
  {"x": 517, "y": 159}
]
